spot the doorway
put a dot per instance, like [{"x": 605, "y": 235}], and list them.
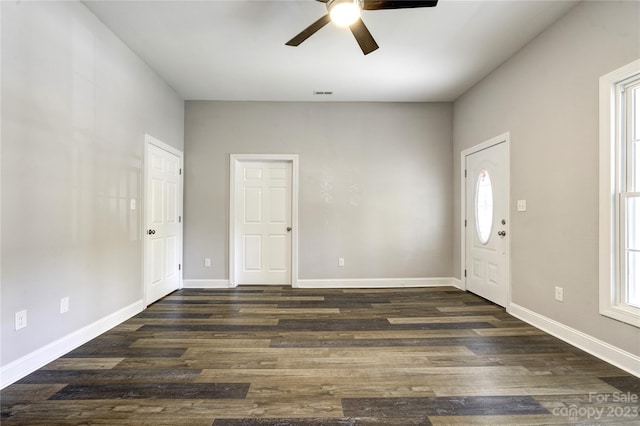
[
  {"x": 162, "y": 219},
  {"x": 486, "y": 237},
  {"x": 263, "y": 220}
]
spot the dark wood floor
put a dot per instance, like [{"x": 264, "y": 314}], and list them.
[{"x": 281, "y": 356}]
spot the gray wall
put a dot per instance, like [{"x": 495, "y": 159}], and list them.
[
  {"x": 547, "y": 97},
  {"x": 75, "y": 106},
  {"x": 375, "y": 184}
]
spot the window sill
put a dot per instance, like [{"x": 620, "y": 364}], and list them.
[{"x": 623, "y": 313}]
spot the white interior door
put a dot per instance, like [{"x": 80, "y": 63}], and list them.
[
  {"x": 163, "y": 210},
  {"x": 262, "y": 236},
  {"x": 487, "y": 216}
]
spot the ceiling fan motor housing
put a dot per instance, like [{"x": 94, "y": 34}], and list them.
[
  {"x": 358, "y": 3},
  {"x": 344, "y": 12}
]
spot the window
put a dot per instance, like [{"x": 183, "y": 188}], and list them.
[
  {"x": 484, "y": 206},
  {"x": 620, "y": 194}
]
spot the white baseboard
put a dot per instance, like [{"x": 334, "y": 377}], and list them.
[
  {"x": 29, "y": 363},
  {"x": 457, "y": 284},
  {"x": 341, "y": 283},
  {"x": 205, "y": 284},
  {"x": 603, "y": 350},
  {"x": 377, "y": 282}
]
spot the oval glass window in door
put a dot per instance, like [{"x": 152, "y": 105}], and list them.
[{"x": 484, "y": 206}]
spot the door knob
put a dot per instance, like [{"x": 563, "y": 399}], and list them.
[
  {"x": 151, "y": 231},
  {"x": 288, "y": 229},
  {"x": 502, "y": 233}
]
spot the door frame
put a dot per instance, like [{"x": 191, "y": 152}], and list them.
[
  {"x": 506, "y": 139},
  {"x": 234, "y": 160},
  {"x": 150, "y": 140}
]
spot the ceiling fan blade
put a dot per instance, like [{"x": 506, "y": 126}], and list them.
[
  {"x": 397, "y": 4},
  {"x": 363, "y": 37},
  {"x": 309, "y": 31}
]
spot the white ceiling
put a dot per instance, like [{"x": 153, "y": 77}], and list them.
[{"x": 235, "y": 49}]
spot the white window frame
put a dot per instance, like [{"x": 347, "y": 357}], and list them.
[{"x": 614, "y": 193}]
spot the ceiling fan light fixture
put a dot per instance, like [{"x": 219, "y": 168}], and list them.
[{"x": 344, "y": 12}]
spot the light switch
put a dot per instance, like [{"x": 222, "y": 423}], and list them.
[
  {"x": 64, "y": 305},
  {"x": 132, "y": 204},
  {"x": 522, "y": 205}
]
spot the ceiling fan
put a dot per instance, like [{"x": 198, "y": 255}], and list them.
[{"x": 347, "y": 13}]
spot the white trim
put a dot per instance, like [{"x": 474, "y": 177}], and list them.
[
  {"x": 603, "y": 350},
  {"x": 29, "y": 363},
  {"x": 457, "y": 284},
  {"x": 463, "y": 215},
  {"x": 609, "y": 304},
  {"x": 157, "y": 142},
  {"x": 206, "y": 283},
  {"x": 378, "y": 282},
  {"x": 234, "y": 159},
  {"x": 150, "y": 140},
  {"x": 506, "y": 139}
]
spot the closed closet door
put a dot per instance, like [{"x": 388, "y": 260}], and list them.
[
  {"x": 163, "y": 210},
  {"x": 262, "y": 236}
]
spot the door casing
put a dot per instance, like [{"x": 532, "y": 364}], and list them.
[
  {"x": 235, "y": 159},
  {"x": 503, "y": 138}
]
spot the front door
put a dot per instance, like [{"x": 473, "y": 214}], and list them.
[
  {"x": 163, "y": 231},
  {"x": 262, "y": 234},
  {"x": 486, "y": 221}
]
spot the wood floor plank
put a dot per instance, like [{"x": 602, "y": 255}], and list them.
[
  {"x": 505, "y": 384},
  {"x": 154, "y": 390},
  {"x": 26, "y": 393},
  {"x": 436, "y": 320},
  {"x": 509, "y": 331},
  {"x": 533, "y": 420},
  {"x": 298, "y": 312},
  {"x": 345, "y": 387},
  {"x": 153, "y": 342},
  {"x": 467, "y": 308},
  {"x": 155, "y": 411},
  {"x": 83, "y": 364},
  {"x": 286, "y": 422},
  {"x": 211, "y": 321},
  {"x": 429, "y": 406},
  {"x": 248, "y": 297}
]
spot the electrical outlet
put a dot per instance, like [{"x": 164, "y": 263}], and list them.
[
  {"x": 207, "y": 262},
  {"x": 559, "y": 294},
  {"x": 341, "y": 261},
  {"x": 21, "y": 319},
  {"x": 64, "y": 305}
]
